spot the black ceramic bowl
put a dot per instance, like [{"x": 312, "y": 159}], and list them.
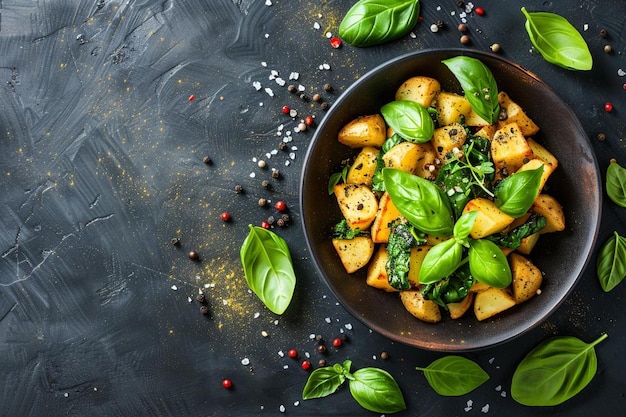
[{"x": 561, "y": 256}]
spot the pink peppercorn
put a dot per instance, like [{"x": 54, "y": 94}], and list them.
[
  {"x": 286, "y": 109},
  {"x": 227, "y": 383},
  {"x": 608, "y": 107},
  {"x": 306, "y": 365},
  {"x": 479, "y": 11},
  {"x": 335, "y": 42}
]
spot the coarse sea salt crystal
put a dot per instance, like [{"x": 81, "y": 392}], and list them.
[
  {"x": 245, "y": 361},
  {"x": 269, "y": 92},
  {"x": 316, "y": 26},
  {"x": 280, "y": 81},
  {"x": 282, "y": 408},
  {"x": 485, "y": 408},
  {"x": 294, "y": 75},
  {"x": 268, "y": 2},
  {"x": 621, "y": 72},
  {"x": 257, "y": 85},
  {"x": 174, "y": 287}
]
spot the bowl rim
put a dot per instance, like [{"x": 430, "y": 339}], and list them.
[{"x": 576, "y": 124}]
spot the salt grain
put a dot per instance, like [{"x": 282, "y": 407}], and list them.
[
  {"x": 269, "y": 91},
  {"x": 256, "y": 85},
  {"x": 327, "y": 319},
  {"x": 348, "y": 326},
  {"x": 485, "y": 408},
  {"x": 281, "y": 353},
  {"x": 268, "y": 2},
  {"x": 282, "y": 408},
  {"x": 174, "y": 287},
  {"x": 316, "y": 26},
  {"x": 256, "y": 315},
  {"x": 621, "y": 72},
  {"x": 245, "y": 361}
]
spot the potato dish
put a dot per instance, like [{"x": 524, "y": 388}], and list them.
[{"x": 469, "y": 159}]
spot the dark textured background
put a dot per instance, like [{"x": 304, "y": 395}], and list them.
[{"x": 101, "y": 165}]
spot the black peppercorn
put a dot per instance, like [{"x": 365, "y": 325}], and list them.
[
  {"x": 384, "y": 356},
  {"x": 321, "y": 363},
  {"x": 265, "y": 184},
  {"x": 282, "y": 146},
  {"x": 271, "y": 219},
  {"x": 304, "y": 97},
  {"x": 201, "y": 298},
  {"x": 329, "y": 88},
  {"x": 275, "y": 173},
  {"x": 601, "y": 137},
  {"x": 440, "y": 23},
  {"x": 460, "y": 4},
  {"x": 193, "y": 255},
  {"x": 207, "y": 160},
  {"x": 603, "y": 33},
  {"x": 238, "y": 189},
  {"x": 285, "y": 217},
  {"x": 324, "y": 106},
  {"x": 321, "y": 348},
  {"x": 292, "y": 88},
  {"x": 175, "y": 241},
  {"x": 280, "y": 222},
  {"x": 204, "y": 310}
]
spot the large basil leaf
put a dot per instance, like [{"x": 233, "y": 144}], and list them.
[
  {"x": 268, "y": 268},
  {"x": 557, "y": 40},
  {"x": 555, "y": 371},
  {"x": 373, "y": 22},
  {"x": 611, "y": 262},
  {"x": 409, "y": 119},
  {"x": 376, "y": 390},
  {"x": 440, "y": 261},
  {"x": 479, "y": 85},
  {"x": 463, "y": 226},
  {"x": 616, "y": 184},
  {"x": 454, "y": 375},
  {"x": 488, "y": 264},
  {"x": 420, "y": 201},
  {"x": 515, "y": 194}
]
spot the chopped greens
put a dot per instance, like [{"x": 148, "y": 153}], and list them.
[{"x": 402, "y": 238}]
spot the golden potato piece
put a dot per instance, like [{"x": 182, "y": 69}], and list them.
[
  {"x": 357, "y": 203},
  {"x": 549, "y": 208},
  {"x": 473, "y": 119},
  {"x": 489, "y": 302},
  {"x": 377, "y": 271},
  {"x": 354, "y": 253},
  {"x": 451, "y": 107},
  {"x": 425, "y": 310},
  {"x": 528, "y": 243},
  {"x": 364, "y": 166},
  {"x": 486, "y": 132},
  {"x": 509, "y": 150},
  {"x": 515, "y": 114},
  {"x": 387, "y": 213},
  {"x": 420, "y": 89},
  {"x": 446, "y": 139},
  {"x": 415, "y": 263},
  {"x": 458, "y": 310},
  {"x": 527, "y": 278},
  {"x": 490, "y": 218},
  {"x": 365, "y": 131},
  {"x": 543, "y": 154},
  {"x": 403, "y": 156},
  {"x": 534, "y": 164}
]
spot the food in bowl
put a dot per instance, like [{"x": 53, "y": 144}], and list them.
[
  {"x": 563, "y": 257},
  {"x": 444, "y": 200}
]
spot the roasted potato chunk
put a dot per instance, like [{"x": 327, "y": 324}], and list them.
[
  {"x": 357, "y": 203},
  {"x": 354, "y": 253},
  {"x": 420, "y": 89},
  {"x": 509, "y": 150},
  {"x": 364, "y": 131},
  {"x": 527, "y": 278},
  {"x": 425, "y": 310},
  {"x": 387, "y": 213},
  {"x": 377, "y": 271},
  {"x": 490, "y": 218},
  {"x": 489, "y": 302},
  {"x": 549, "y": 208},
  {"x": 364, "y": 166},
  {"x": 515, "y": 114},
  {"x": 451, "y": 107},
  {"x": 447, "y": 138}
]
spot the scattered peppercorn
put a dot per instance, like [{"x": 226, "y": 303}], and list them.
[
  {"x": 335, "y": 42},
  {"x": 440, "y": 23},
  {"x": 175, "y": 241},
  {"x": 324, "y": 106},
  {"x": 225, "y": 216},
  {"x": 265, "y": 184},
  {"x": 479, "y": 11},
  {"x": 292, "y": 353},
  {"x": 204, "y": 310},
  {"x": 227, "y": 383},
  {"x": 321, "y": 348},
  {"x": 207, "y": 160},
  {"x": 608, "y": 107},
  {"x": 280, "y": 205},
  {"x": 191, "y": 98},
  {"x": 460, "y": 4},
  {"x": 286, "y": 109},
  {"x": 337, "y": 342},
  {"x": 465, "y": 39},
  {"x": 384, "y": 356},
  {"x": 292, "y": 88},
  {"x": 328, "y": 88},
  {"x": 608, "y": 49},
  {"x": 285, "y": 217},
  {"x": 304, "y": 97},
  {"x": 280, "y": 222},
  {"x": 321, "y": 363},
  {"x": 275, "y": 173},
  {"x": 282, "y": 146},
  {"x": 238, "y": 189},
  {"x": 262, "y": 202},
  {"x": 265, "y": 225},
  {"x": 462, "y": 27},
  {"x": 261, "y": 164},
  {"x": 309, "y": 120},
  {"x": 305, "y": 365},
  {"x": 193, "y": 255},
  {"x": 601, "y": 137},
  {"x": 603, "y": 33},
  {"x": 495, "y": 47},
  {"x": 201, "y": 298}
]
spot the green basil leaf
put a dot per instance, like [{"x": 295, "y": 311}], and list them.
[
  {"x": 373, "y": 22},
  {"x": 322, "y": 382},
  {"x": 376, "y": 390},
  {"x": 453, "y": 376},
  {"x": 555, "y": 371},
  {"x": 268, "y": 268},
  {"x": 440, "y": 261},
  {"x": 420, "y": 201},
  {"x": 515, "y": 194},
  {"x": 409, "y": 119},
  {"x": 616, "y": 184},
  {"x": 478, "y": 84},
  {"x": 611, "y": 262},
  {"x": 557, "y": 40},
  {"x": 463, "y": 225},
  {"x": 488, "y": 264}
]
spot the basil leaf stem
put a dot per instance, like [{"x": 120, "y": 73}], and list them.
[
  {"x": 555, "y": 371},
  {"x": 373, "y": 22},
  {"x": 611, "y": 262},
  {"x": 420, "y": 201},
  {"x": 478, "y": 84},
  {"x": 616, "y": 183},
  {"x": 268, "y": 268},
  {"x": 454, "y": 375},
  {"x": 557, "y": 40},
  {"x": 409, "y": 119}
]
